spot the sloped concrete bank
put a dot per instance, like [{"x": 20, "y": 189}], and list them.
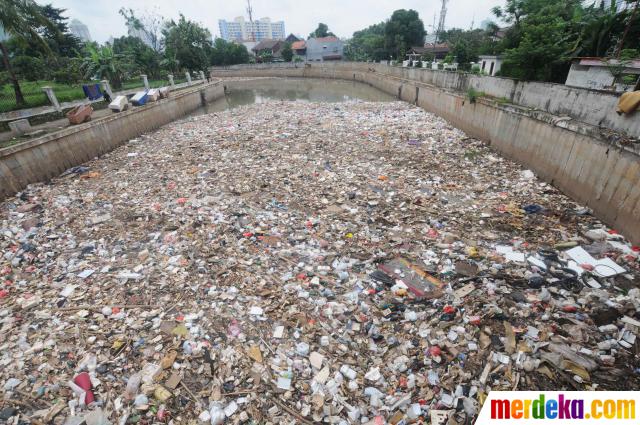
[
  {"x": 584, "y": 161},
  {"x": 48, "y": 156}
]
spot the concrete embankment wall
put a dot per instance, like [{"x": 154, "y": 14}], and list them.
[
  {"x": 577, "y": 157},
  {"x": 48, "y": 156}
]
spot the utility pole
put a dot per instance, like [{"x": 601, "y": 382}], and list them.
[
  {"x": 250, "y": 13},
  {"x": 443, "y": 15}
]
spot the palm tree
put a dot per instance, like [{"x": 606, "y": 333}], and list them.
[
  {"x": 103, "y": 63},
  {"x": 16, "y": 19}
]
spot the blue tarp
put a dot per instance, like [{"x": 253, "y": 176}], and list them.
[{"x": 92, "y": 91}]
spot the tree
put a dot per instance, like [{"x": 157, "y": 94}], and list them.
[
  {"x": 139, "y": 57},
  {"x": 404, "y": 30},
  {"x": 322, "y": 31},
  {"x": 287, "y": 52},
  {"x": 149, "y": 26},
  {"x": 367, "y": 44},
  {"x": 187, "y": 43},
  {"x": 16, "y": 20},
  {"x": 31, "y": 60},
  {"x": 103, "y": 63},
  {"x": 543, "y": 37},
  {"x": 228, "y": 53},
  {"x": 467, "y": 45}
]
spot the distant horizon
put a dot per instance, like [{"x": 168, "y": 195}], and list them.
[{"x": 300, "y": 17}]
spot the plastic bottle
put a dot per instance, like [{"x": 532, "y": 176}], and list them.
[{"x": 133, "y": 383}]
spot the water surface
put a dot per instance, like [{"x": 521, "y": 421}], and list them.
[{"x": 266, "y": 90}]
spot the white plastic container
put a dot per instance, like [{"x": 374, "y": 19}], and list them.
[
  {"x": 153, "y": 95},
  {"x": 119, "y": 104}
]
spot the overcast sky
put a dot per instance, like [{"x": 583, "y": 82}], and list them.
[{"x": 300, "y": 16}]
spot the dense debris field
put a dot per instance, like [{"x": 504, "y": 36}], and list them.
[{"x": 305, "y": 262}]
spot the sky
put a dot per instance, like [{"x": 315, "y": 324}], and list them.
[{"x": 300, "y": 16}]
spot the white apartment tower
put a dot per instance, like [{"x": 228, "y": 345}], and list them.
[{"x": 241, "y": 30}]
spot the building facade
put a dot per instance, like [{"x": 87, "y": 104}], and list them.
[
  {"x": 490, "y": 65},
  {"x": 324, "y": 49},
  {"x": 80, "y": 30},
  {"x": 241, "y": 30}
]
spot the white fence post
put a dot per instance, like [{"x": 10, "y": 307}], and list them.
[
  {"x": 145, "y": 81},
  {"x": 202, "y": 76},
  {"x": 171, "y": 82},
  {"x": 188, "y": 75},
  {"x": 52, "y": 97},
  {"x": 107, "y": 88}
]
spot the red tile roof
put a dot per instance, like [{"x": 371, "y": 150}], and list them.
[{"x": 298, "y": 45}]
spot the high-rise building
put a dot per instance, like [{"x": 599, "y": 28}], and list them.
[
  {"x": 241, "y": 30},
  {"x": 80, "y": 30}
]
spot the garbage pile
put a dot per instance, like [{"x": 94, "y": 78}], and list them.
[{"x": 300, "y": 263}]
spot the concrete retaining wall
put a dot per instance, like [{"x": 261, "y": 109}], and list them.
[
  {"x": 575, "y": 157},
  {"x": 594, "y": 107},
  {"x": 45, "y": 157}
]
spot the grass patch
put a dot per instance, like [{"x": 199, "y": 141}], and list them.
[
  {"x": 473, "y": 94},
  {"x": 35, "y": 96}
]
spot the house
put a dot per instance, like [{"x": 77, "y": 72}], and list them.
[
  {"x": 437, "y": 50},
  {"x": 598, "y": 73},
  {"x": 291, "y": 39},
  {"x": 324, "y": 49},
  {"x": 490, "y": 65},
  {"x": 299, "y": 48},
  {"x": 269, "y": 47}
]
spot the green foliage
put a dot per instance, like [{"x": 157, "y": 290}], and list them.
[
  {"x": 69, "y": 71},
  {"x": 102, "y": 62},
  {"x": 20, "y": 19},
  {"x": 321, "y": 31},
  {"x": 367, "y": 44},
  {"x": 29, "y": 68},
  {"x": 265, "y": 56},
  {"x": 473, "y": 94},
  {"x": 466, "y": 46},
  {"x": 297, "y": 59},
  {"x": 226, "y": 53},
  {"x": 138, "y": 58},
  {"x": 287, "y": 52},
  {"x": 402, "y": 31},
  {"x": 187, "y": 43},
  {"x": 545, "y": 35}
]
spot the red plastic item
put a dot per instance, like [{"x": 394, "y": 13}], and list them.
[
  {"x": 435, "y": 351},
  {"x": 84, "y": 381},
  {"x": 3, "y": 293},
  {"x": 449, "y": 309},
  {"x": 569, "y": 309},
  {"x": 474, "y": 320}
]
